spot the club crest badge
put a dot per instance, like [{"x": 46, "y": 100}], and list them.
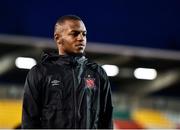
[{"x": 90, "y": 82}]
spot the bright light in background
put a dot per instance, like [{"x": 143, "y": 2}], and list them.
[
  {"x": 25, "y": 62},
  {"x": 111, "y": 70},
  {"x": 145, "y": 73}
]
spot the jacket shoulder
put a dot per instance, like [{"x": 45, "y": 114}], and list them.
[
  {"x": 37, "y": 71},
  {"x": 96, "y": 67}
]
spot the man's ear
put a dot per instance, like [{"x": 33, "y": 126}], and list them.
[{"x": 57, "y": 38}]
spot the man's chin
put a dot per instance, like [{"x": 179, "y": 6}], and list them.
[{"x": 80, "y": 51}]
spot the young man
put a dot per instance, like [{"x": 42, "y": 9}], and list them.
[{"x": 66, "y": 90}]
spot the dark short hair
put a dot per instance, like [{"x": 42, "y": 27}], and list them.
[
  {"x": 62, "y": 19},
  {"x": 68, "y": 17}
]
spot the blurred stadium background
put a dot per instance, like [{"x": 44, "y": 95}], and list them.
[{"x": 138, "y": 41}]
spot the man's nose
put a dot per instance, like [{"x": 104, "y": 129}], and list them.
[{"x": 80, "y": 37}]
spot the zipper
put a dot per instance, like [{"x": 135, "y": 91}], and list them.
[{"x": 75, "y": 111}]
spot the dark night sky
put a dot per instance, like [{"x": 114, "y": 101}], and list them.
[{"x": 146, "y": 23}]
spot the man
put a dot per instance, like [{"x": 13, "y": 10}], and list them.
[{"x": 66, "y": 90}]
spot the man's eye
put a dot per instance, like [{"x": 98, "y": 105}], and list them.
[
  {"x": 84, "y": 34},
  {"x": 74, "y": 34}
]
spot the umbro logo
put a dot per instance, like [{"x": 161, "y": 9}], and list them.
[{"x": 55, "y": 82}]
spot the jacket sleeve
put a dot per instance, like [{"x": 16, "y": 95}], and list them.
[
  {"x": 106, "y": 103},
  {"x": 31, "y": 100}
]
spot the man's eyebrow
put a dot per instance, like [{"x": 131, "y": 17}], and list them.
[{"x": 78, "y": 31}]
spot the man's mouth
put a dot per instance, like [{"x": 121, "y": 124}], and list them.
[{"x": 80, "y": 46}]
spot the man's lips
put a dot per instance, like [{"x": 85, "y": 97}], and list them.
[{"x": 80, "y": 45}]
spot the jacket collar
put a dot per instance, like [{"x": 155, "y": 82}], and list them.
[{"x": 54, "y": 57}]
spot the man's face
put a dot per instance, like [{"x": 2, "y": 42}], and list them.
[{"x": 71, "y": 37}]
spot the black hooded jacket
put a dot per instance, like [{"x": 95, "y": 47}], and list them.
[{"x": 67, "y": 92}]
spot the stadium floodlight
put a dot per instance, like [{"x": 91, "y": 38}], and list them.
[
  {"x": 25, "y": 62},
  {"x": 111, "y": 70},
  {"x": 145, "y": 73}
]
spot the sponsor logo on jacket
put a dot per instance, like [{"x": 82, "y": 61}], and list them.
[{"x": 55, "y": 82}]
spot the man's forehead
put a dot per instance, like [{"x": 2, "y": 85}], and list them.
[{"x": 74, "y": 25}]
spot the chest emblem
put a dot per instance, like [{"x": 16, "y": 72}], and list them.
[{"x": 90, "y": 82}]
